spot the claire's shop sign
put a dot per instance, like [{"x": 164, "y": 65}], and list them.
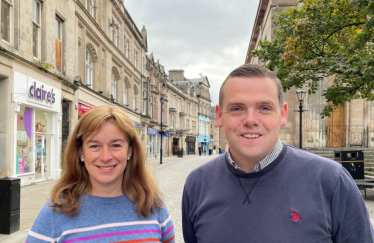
[{"x": 38, "y": 91}]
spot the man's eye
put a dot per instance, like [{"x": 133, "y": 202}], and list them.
[
  {"x": 266, "y": 108},
  {"x": 235, "y": 109}
]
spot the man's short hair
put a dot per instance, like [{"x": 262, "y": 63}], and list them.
[{"x": 252, "y": 71}]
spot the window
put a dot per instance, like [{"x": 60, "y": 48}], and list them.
[
  {"x": 136, "y": 59},
  {"x": 193, "y": 127},
  {"x": 35, "y": 28},
  {"x": 134, "y": 100},
  {"x": 187, "y": 123},
  {"x": 92, "y": 8},
  {"x": 151, "y": 115},
  {"x": 127, "y": 48},
  {"x": 162, "y": 113},
  {"x": 181, "y": 122},
  {"x": 6, "y": 12},
  {"x": 180, "y": 106},
  {"x": 58, "y": 44},
  {"x": 171, "y": 121},
  {"x": 124, "y": 93},
  {"x": 89, "y": 69},
  {"x": 114, "y": 86},
  {"x": 115, "y": 35},
  {"x": 188, "y": 108},
  {"x": 174, "y": 121},
  {"x": 193, "y": 110},
  {"x": 144, "y": 102}
]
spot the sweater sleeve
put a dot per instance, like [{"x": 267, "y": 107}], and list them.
[
  {"x": 167, "y": 226},
  {"x": 350, "y": 218},
  {"x": 189, "y": 233},
  {"x": 43, "y": 229}
]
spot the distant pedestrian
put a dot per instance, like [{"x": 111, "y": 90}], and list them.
[
  {"x": 219, "y": 150},
  {"x": 106, "y": 193},
  {"x": 200, "y": 151}
]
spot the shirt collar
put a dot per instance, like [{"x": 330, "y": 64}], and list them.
[{"x": 264, "y": 162}]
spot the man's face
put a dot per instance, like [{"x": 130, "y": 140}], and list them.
[{"x": 251, "y": 117}]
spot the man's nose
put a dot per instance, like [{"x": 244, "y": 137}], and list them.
[
  {"x": 106, "y": 155},
  {"x": 250, "y": 119}
]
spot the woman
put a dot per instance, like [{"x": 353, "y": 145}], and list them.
[{"x": 106, "y": 192}]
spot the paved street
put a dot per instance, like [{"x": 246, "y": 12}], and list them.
[{"x": 170, "y": 176}]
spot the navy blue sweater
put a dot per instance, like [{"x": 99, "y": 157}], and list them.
[{"x": 299, "y": 197}]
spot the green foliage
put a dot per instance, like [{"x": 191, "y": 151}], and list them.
[
  {"x": 325, "y": 38},
  {"x": 43, "y": 65}
]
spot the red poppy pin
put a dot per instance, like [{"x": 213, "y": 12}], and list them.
[{"x": 295, "y": 216}]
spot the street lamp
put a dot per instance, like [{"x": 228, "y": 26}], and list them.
[
  {"x": 300, "y": 96},
  {"x": 161, "y": 132}
]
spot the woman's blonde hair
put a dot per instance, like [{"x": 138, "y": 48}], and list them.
[{"x": 138, "y": 182}]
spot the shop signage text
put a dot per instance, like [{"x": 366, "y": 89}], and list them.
[
  {"x": 190, "y": 139},
  {"x": 39, "y": 93}
]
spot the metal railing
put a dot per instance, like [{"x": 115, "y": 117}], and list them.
[{"x": 347, "y": 136}]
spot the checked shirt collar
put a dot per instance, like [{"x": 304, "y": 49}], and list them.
[{"x": 264, "y": 162}]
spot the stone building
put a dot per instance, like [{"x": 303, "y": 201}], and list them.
[
  {"x": 185, "y": 118},
  {"x": 58, "y": 59},
  {"x": 214, "y": 130},
  {"x": 348, "y": 128}
]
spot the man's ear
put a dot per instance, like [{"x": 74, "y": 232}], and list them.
[
  {"x": 284, "y": 113},
  {"x": 219, "y": 117}
]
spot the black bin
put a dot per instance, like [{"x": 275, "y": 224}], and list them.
[
  {"x": 180, "y": 152},
  {"x": 353, "y": 162},
  {"x": 10, "y": 203},
  {"x": 210, "y": 151}
]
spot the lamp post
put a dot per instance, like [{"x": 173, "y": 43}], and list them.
[
  {"x": 161, "y": 132},
  {"x": 300, "y": 96}
]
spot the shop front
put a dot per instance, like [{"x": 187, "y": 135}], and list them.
[
  {"x": 190, "y": 145},
  {"x": 36, "y": 128}
]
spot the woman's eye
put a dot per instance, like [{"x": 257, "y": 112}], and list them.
[
  {"x": 94, "y": 146},
  {"x": 117, "y": 145}
]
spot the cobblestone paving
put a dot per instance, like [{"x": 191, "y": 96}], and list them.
[{"x": 171, "y": 178}]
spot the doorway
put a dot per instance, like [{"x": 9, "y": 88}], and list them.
[
  {"x": 42, "y": 157},
  {"x": 336, "y": 128}
]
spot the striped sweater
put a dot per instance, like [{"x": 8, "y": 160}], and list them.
[{"x": 102, "y": 219}]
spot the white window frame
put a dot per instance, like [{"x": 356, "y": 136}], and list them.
[
  {"x": 92, "y": 10},
  {"x": 144, "y": 102},
  {"x": 10, "y": 20},
  {"x": 38, "y": 27},
  {"x": 89, "y": 69},
  {"x": 114, "y": 86}
]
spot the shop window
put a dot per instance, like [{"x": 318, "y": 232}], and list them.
[
  {"x": 114, "y": 86},
  {"x": 34, "y": 142},
  {"x": 36, "y": 13},
  {"x": 58, "y": 44},
  {"x": 89, "y": 69},
  {"x": 6, "y": 16}
]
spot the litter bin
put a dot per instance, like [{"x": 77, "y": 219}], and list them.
[
  {"x": 180, "y": 152},
  {"x": 10, "y": 201},
  {"x": 353, "y": 162},
  {"x": 210, "y": 151}
]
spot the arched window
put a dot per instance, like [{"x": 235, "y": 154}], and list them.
[
  {"x": 124, "y": 93},
  {"x": 114, "y": 86},
  {"x": 89, "y": 69}
]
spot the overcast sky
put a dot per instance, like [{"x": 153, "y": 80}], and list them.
[{"x": 210, "y": 37}]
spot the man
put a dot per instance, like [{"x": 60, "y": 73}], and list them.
[{"x": 262, "y": 190}]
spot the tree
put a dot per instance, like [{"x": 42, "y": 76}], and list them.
[{"x": 324, "y": 38}]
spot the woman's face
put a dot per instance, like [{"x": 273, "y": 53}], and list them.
[{"x": 105, "y": 157}]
